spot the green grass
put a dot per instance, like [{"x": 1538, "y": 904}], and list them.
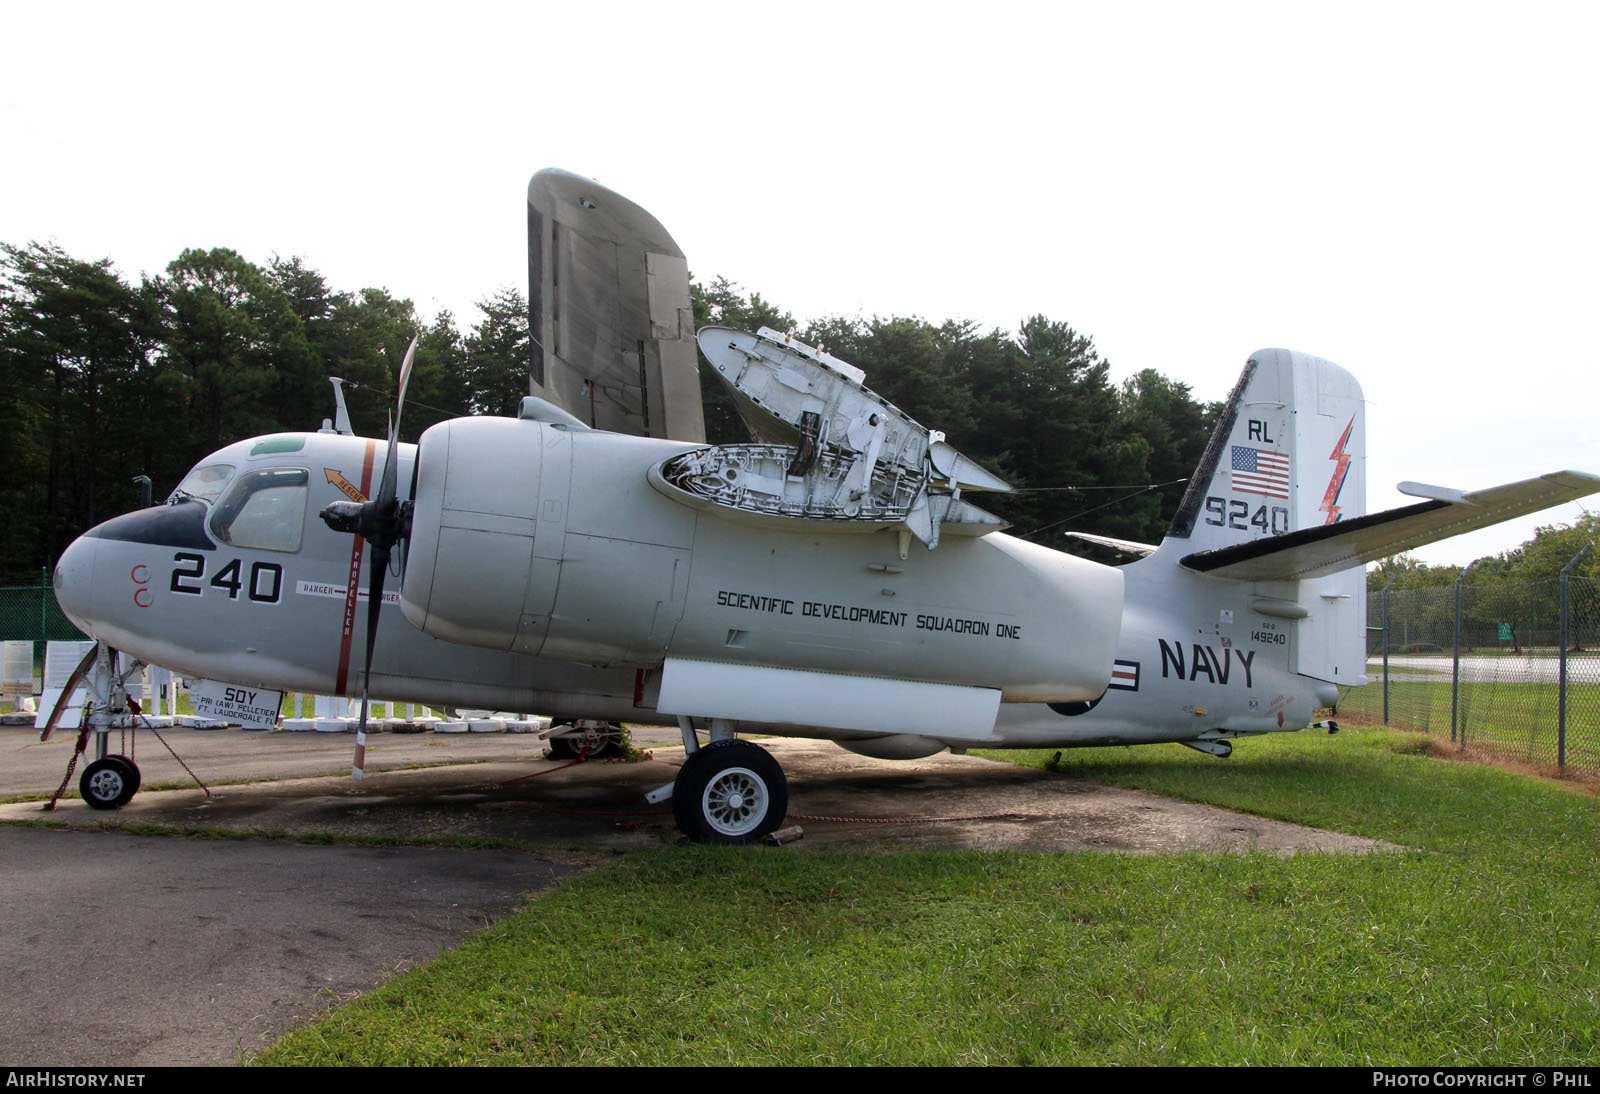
[{"x": 1477, "y": 945}]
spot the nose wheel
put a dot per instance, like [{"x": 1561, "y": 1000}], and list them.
[
  {"x": 109, "y": 783},
  {"x": 729, "y": 791}
]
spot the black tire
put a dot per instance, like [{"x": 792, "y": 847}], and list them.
[
  {"x": 729, "y": 792},
  {"x": 135, "y": 779},
  {"x": 109, "y": 782}
]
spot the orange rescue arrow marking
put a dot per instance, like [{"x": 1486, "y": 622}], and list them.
[{"x": 344, "y": 485}]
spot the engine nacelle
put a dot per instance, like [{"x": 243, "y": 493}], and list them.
[{"x": 545, "y": 541}]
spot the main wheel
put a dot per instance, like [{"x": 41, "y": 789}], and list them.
[
  {"x": 109, "y": 783},
  {"x": 591, "y": 740},
  {"x": 729, "y": 792}
]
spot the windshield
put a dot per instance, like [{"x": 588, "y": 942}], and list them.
[
  {"x": 263, "y": 509},
  {"x": 204, "y": 482}
]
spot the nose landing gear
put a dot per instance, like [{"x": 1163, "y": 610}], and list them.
[
  {"x": 111, "y": 780},
  {"x": 109, "y": 783}
]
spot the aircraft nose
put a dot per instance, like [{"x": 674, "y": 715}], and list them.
[{"x": 74, "y": 581}]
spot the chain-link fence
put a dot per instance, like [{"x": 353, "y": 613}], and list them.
[
  {"x": 30, "y": 612},
  {"x": 1518, "y": 675}
]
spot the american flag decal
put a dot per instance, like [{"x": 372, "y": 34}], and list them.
[
  {"x": 1259, "y": 471},
  {"x": 1124, "y": 675}
]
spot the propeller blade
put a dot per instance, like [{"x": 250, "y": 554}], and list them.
[
  {"x": 404, "y": 530},
  {"x": 379, "y": 524},
  {"x": 379, "y": 566},
  {"x": 386, "y": 490}
]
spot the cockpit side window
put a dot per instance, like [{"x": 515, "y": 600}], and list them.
[
  {"x": 263, "y": 509},
  {"x": 204, "y": 482}
]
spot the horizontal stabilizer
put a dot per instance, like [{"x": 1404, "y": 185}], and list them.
[
  {"x": 1126, "y": 546},
  {"x": 1331, "y": 548}
]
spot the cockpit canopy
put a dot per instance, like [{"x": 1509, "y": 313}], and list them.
[
  {"x": 263, "y": 509},
  {"x": 205, "y": 482}
]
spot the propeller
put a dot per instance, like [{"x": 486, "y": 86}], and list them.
[{"x": 381, "y": 523}]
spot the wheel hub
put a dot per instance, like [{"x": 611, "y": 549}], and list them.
[
  {"x": 735, "y": 801},
  {"x": 106, "y": 785}
]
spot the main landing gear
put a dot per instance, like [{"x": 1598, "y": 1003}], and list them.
[
  {"x": 729, "y": 791},
  {"x": 586, "y": 737}
]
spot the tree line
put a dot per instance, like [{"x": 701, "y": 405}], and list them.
[
  {"x": 107, "y": 378},
  {"x": 1036, "y": 406},
  {"x": 1518, "y": 589}
]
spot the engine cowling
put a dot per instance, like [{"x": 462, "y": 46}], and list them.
[{"x": 547, "y": 541}]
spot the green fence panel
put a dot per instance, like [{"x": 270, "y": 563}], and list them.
[{"x": 31, "y": 612}]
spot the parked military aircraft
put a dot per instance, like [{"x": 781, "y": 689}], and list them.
[{"x": 593, "y": 558}]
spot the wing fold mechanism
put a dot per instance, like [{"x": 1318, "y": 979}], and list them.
[
  {"x": 829, "y": 451},
  {"x": 1330, "y": 548}
]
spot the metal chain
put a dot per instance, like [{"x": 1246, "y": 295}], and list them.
[{"x": 77, "y": 750}]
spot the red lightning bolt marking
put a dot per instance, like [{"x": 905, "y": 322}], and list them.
[{"x": 1341, "y": 469}]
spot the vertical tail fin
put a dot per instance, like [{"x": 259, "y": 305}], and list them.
[{"x": 1289, "y": 452}]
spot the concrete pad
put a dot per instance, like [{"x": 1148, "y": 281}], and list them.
[
  {"x": 838, "y": 798},
  {"x": 31, "y": 766}
]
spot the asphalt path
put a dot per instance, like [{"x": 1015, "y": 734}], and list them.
[{"x": 128, "y": 951}]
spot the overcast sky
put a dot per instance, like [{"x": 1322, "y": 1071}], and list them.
[{"x": 1407, "y": 189}]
